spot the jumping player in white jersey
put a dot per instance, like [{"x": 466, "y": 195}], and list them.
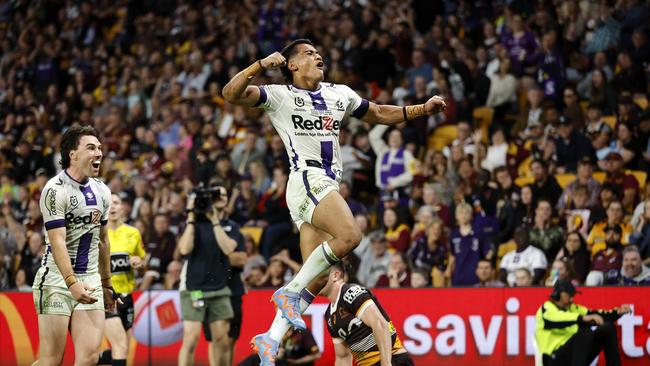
[
  {"x": 73, "y": 286},
  {"x": 307, "y": 115}
]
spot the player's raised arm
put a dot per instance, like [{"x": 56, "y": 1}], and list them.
[
  {"x": 237, "y": 91},
  {"x": 391, "y": 114}
]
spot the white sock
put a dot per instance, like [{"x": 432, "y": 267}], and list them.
[
  {"x": 318, "y": 261},
  {"x": 280, "y": 325}
]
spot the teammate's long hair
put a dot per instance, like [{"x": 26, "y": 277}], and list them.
[
  {"x": 288, "y": 51},
  {"x": 70, "y": 141}
]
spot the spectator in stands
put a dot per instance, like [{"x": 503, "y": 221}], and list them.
[
  {"x": 616, "y": 175},
  {"x": 524, "y": 256},
  {"x": 393, "y": 164},
  {"x": 543, "y": 234},
  {"x": 485, "y": 274},
  {"x": 572, "y": 109},
  {"x": 398, "y": 234},
  {"x": 423, "y": 218},
  {"x": 259, "y": 177},
  {"x": 247, "y": 151},
  {"x": 584, "y": 177},
  {"x": 600, "y": 93},
  {"x": 272, "y": 214},
  {"x": 607, "y": 262},
  {"x": 29, "y": 257},
  {"x": 641, "y": 235},
  {"x": 463, "y": 140},
  {"x": 519, "y": 43},
  {"x": 467, "y": 248},
  {"x": 160, "y": 248},
  {"x": 575, "y": 251},
  {"x": 598, "y": 234},
  {"x": 280, "y": 270},
  {"x": 431, "y": 253},
  {"x": 630, "y": 76},
  {"x": 545, "y": 185},
  {"x": 431, "y": 197},
  {"x": 597, "y": 130},
  {"x": 503, "y": 90},
  {"x": 419, "y": 278},
  {"x": 626, "y": 144},
  {"x": 356, "y": 207},
  {"x": 561, "y": 269},
  {"x": 20, "y": 282},
  {"x": 577, "y": 214},
  {"x": 523, "y": 278},
  {"x": 375, "y": 261},
  {"x": 531, "y": 113},
  {"x": 398, "y": 275},
  {"x": 633, "y": 271},
  {"x": 571, "y": 146},
  {"x": 243, "y": 200}
]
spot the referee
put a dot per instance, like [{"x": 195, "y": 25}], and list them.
[{"x": 569, "y": 334}]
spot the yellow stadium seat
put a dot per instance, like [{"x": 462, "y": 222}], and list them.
[
  {"x": 442, "y": 136},
  {"x": 641, "y": 102},
  {"x": 640, "y": 176},
  {"x": 254, "y": 232},
  {"x": 611, "y": 121},
  {"x": 505, "y": 248},
  {"x": 599, "y": 176},
  {"x": 524, "y": 167},
  {"x": 483, "y": 118},
  {"x": 584, "y": 105},
  {"x": 525, "y": 180},
  {"x": 565, "y": 179}
]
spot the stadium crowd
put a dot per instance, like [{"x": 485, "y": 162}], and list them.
[{"x": 536, "y": 171}]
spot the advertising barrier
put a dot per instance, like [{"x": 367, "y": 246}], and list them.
[{"x": 442, "y": 327}]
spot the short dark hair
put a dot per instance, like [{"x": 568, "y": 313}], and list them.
[
  {"x": 289, "y": 51},
  {"x": 343, "y": 266},
  {"x": 70, "y": 141}
]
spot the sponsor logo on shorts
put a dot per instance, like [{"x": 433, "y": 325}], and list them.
[
  {"x": 305, "y": 205},
  {"x": 54, "y": 302}
]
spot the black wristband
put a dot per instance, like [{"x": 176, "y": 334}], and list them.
[{"x": 404, "y": 112}]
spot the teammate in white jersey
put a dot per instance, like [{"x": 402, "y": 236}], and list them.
[
  {"x": 73, "y": 286},
  {"x": 307, "y": 114}
]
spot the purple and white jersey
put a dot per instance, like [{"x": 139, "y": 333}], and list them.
[
  {"x": 309, "y": 123},
  {"x": 81, "y": 208}
]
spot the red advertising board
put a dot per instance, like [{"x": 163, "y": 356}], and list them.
[{"x": 437, "y": 326}]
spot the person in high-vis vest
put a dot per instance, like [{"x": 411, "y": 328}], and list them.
[{"x": 569, "y": 334}]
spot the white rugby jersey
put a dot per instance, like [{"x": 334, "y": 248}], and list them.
[
  {"x": 309, "y": 123},
  {"x": 82, "y": 208}
]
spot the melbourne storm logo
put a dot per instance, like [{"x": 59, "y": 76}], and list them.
[{"x": 299, "y": 102}]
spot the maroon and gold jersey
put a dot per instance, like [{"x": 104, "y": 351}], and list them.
[{"x": 344, "y": 324}]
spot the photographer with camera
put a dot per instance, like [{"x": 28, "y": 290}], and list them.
[{"x": 207, "y": 242}]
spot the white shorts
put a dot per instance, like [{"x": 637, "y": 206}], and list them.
[
  {"x": 58, "y": 300},
  {"x": 305, "y": 190}
]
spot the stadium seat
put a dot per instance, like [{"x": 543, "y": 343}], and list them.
[
  {"x": 565, "y": 179},
  {"x": 442, "y": 136},
  {"x": 254, "y": 232},
  {"x": 599, "y": 176},
  {"x": 611, "y": 121},
  {"x": 584, "y": 105},
  {"x": 503, "y": 249},
  {"x": 482, "y": 119},
  {"x": 524, "y": 181},
  {"x": 641, "y": 102},
  {"x": 640, "y": 176}
]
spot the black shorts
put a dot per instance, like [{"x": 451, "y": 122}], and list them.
[
  {"x": 124, "y": 311},
  {"x": 235, "y": 321},
  {"x": 402, "y": 359}
]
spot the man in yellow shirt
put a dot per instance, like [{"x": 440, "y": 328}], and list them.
[
  {"x": 596, "y": 239},
  {"x": 127, "y": 256},
  {"x": 569, "y": 334}
]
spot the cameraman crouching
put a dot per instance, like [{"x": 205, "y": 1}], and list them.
[{"x": 205, "y": 295}]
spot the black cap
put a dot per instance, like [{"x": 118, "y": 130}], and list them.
[{"x": 563, "y": 286}]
